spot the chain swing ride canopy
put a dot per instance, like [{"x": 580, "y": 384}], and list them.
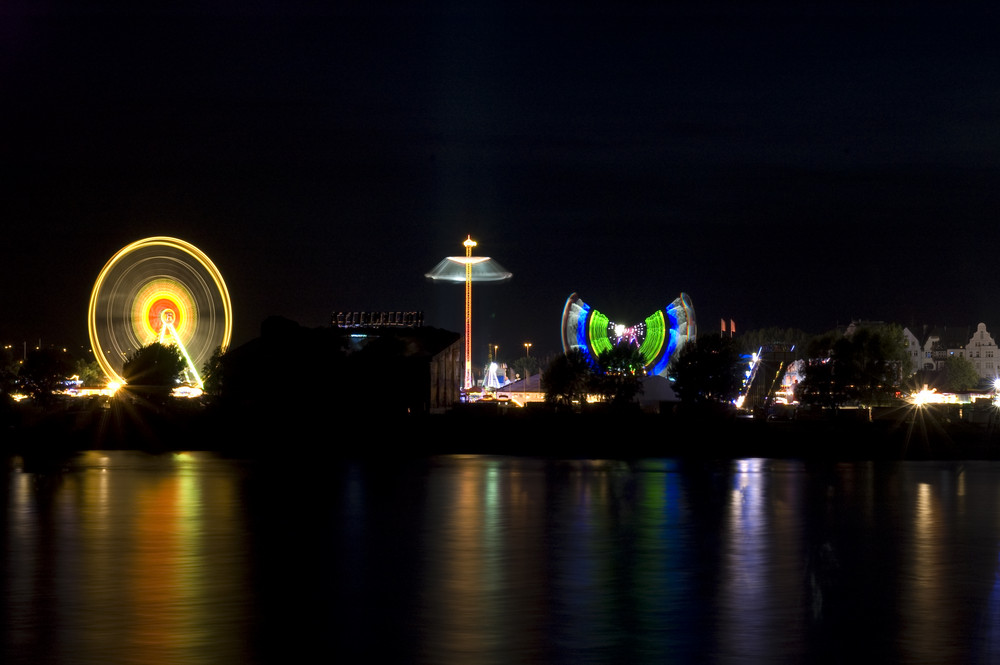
[
  {"x": 159, "y": 289},
  {"x": 468, "y": 269}
]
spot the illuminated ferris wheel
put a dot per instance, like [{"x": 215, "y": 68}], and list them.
[{"x": 163, "y": 290}]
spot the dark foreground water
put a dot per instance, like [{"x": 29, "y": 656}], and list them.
[{"x": 124, "y": 557}]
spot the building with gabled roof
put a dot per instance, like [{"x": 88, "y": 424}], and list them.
[{"x": 935, "y": 345}]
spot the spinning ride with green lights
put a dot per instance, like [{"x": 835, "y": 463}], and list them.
[{"x": 659, "y": 337}]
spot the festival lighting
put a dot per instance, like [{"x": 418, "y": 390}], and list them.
[
  {"x": 187, "y": 392},
  {"x": 468, "y": 269},
  {"x": 659, "y": 338},
  {"x": 159, "y": 289},
  {"x": 492, "y": 381},
  {"x": 931, "y": 396}
]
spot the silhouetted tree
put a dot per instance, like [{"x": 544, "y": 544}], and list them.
[
  {"x": 43, "y": 371},
  {"x": 9, "y": 368},
  {"x": 752, "y": 340},
  {"x": 708, "y": 369},
  {"x": 154, "y": 366},
  {"x": 213, "y": 371},
  {"x": 818, "y": 384},
  {"x": 619, "y": 373},
  {"x": 868, "y": 366},
  {"x": 524, "y": 366},
  {"x": 567, "y": 378}
]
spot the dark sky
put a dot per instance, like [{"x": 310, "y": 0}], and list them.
[{"x": 786, "y": 164}]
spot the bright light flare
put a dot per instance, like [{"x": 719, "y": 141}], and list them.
[
  {"x": 187, "y": 392},
  {"x": 931, "y": 396}
]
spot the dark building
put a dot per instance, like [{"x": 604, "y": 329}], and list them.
[{"x": 311, "y": 372}]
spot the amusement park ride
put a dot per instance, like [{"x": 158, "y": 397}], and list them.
[
  {"x": 159, "y": 289},
  {"x": 659, "y": 337},
  {"x": 468, "y": 269}
]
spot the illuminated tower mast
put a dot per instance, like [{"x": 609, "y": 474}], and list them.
[
  {"x": 469, "y": 244},
  {"x": 468, "y": 269}
]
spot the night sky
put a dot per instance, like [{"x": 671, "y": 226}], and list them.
[{"x": 785, "y": 164}]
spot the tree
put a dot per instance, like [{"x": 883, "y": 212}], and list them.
[
  {"x": 524, "y": 366},
  {"x": 959, "y": 374},
  {"x": 708, "y": 369},
  {"x": 156, "y": 365},
  {"x": 9, "y": 368},
  {"x": 750, "y": 341},
  {"x": 818, "y": 385},
  {"x": 567, "y": 378},
  {"x": 868, "y": 366},
  {"x": 212, "y": 372},
  {"x": 44, "y": 371},
  {"x": 619, "y": 375},
  {"x": 881, "y": 362},
  {"x": 90, "y": 372}
]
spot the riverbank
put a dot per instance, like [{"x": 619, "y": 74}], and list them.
[{"x": 191, "y": 425}]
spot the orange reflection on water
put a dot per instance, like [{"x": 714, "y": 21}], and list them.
[
  {"x": 923, "y": 619},
  {"x": 137, "y": 574},
  {"x": 465, "y": 568},
  {"x": 158, "y": 595},
  {"x": 484, "y": 541}
]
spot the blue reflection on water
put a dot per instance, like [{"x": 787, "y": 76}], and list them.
[{"x": 126, "y": 557}]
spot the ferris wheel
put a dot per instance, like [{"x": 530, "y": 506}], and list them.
[{"x": 159, "y": 289}]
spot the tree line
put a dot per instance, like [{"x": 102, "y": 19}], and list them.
[{"x": 868, "y": 365}]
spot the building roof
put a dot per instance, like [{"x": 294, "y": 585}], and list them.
[
  {"x": 948, "y": 337},
  {"x": 533, "y": 384}
]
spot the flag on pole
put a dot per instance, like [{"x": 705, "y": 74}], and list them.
[
  {"x": 732, "y": 327},
  {"x": 723, "y": 322}
]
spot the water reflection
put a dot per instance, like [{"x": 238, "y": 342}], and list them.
[
  {"x": 127, "y": 558},
  {"x": 762, "y": 567},
  {"x": 481, "y": 522}
]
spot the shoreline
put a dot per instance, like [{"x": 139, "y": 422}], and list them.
[{"x": 908, "y": 435}]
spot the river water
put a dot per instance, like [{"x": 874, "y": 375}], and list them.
[{"x": 126, "y": 557}]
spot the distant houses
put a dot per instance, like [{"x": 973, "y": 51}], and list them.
[{"x": 935, "y": 345}]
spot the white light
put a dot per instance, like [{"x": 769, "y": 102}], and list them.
[{"x": 931, "y": 396}]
